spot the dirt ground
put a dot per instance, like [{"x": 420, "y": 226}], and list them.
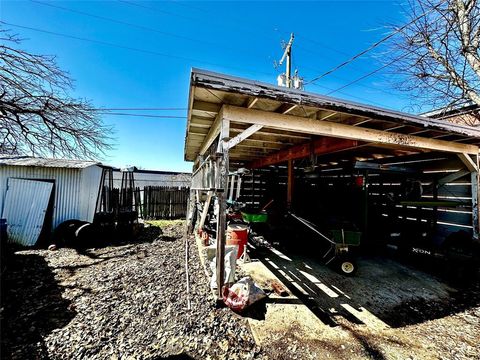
[
  {"x": 387, "y": 310},
  {"x": 129, "y": 301}
]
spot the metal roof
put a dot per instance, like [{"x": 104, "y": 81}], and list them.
[
  {"x": 209, "y": 91},
  {"x": 17, "y": 160}
]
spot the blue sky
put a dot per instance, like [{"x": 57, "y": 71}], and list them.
[{"x": 139, "y": 55}]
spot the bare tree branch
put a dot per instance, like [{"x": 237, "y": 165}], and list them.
[
  {"x": 438, "y": 56},
  {"x": 37, "y": 115}
]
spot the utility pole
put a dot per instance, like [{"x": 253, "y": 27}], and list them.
[
  {"x": 288, "y": 54},
  {"x": 286, "y": 79}
]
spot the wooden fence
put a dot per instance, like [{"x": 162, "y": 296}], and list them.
[{"x": 163, "y": 202}]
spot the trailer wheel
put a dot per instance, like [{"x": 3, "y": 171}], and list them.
[{"x": 347, "y": 266}]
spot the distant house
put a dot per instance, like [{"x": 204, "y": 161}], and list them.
[
  {"x": 37, "y": 194},
  {"x": 155, "y": 178},
  {"x": 468, "y": 114}
]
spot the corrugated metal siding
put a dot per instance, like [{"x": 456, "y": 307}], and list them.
[
  {"x": 68, "y": 189},
  {"x": 25, "y": 207},
  {"x": 90, "y": 184}
]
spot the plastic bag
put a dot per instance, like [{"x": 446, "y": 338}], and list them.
[
  {"x": 230, "y": 264},
  {"x": 242, "y": 294}
]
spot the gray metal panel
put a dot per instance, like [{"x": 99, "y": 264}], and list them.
[
  {"x": 68, "y": 190},
  {"x": 26, "y": 203}
]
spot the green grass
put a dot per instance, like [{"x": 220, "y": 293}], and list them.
[{"x": 163, "y": 223}]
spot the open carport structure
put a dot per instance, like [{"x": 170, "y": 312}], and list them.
[{"x": 237, "y": 123}]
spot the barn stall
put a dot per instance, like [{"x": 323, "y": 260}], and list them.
[{"x": 390, "y": 178}]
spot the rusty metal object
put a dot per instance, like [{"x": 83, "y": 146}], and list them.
[{"x": 278, "y": 288}]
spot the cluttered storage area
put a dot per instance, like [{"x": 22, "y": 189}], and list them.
[{"x": 332, "y": 179}]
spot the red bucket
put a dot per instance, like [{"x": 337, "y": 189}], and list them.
[{"x": 237, "y": 234}]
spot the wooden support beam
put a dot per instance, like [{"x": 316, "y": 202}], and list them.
[
  {"x": 205, "y": 210},
  {"x": 475, "y": 202},
  {"x": 212, "y": 133},
  {"x": 251, "y": 102},
  {"x": 222, "y": 180},
  {"x": 205, "y": 108},
  {"x": 333, "y": 113},
  {"x": 289, "y": 108},
  {"x": 325, "y": 128},
  {"x": 243, "y": 135},
  {"x": 320, "y": 146},
  {"x": 290, "y": 180},
  {"x": 469, "y": 163},
  {"x": 452, "y": 177}
]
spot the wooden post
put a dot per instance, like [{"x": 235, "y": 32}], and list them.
[
  {"x": 232, "y": 186},
  {"x": 475, "y": 202},
  {"x": 290, "y": 180},
  {"x": 222, "y": 179},
  {"x": 206, "y": 205}
]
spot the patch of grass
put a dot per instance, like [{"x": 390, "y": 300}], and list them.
[{"x": 163, "y": 223}]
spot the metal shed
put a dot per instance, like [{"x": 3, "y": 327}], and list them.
[
  {"x": 72, "y": 195},
  {"x": 235, "y": 122}
]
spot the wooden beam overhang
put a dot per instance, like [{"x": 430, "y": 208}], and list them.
[
  {"x": 243, "y": 135},
  {"x": 212, "y": 133},
  {"x": 325, "y": 128},
  {"x": 468, "y": 162},
  {"x": 321, "y": 146}
]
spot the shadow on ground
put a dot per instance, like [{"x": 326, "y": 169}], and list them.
[
  {"x": 32, "y": 306},
  {"x": 382, "y": 293}
]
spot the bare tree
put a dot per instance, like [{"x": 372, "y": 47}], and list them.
[
  {"x": 439, "y": 53},
  {"x": 37, "y": 115}
]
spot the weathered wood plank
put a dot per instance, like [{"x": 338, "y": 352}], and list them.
[{"x": 325, "y": 128}]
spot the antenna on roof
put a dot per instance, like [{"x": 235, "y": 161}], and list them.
[{"x": 286, "y": 79}]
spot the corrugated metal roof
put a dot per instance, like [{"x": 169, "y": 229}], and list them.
[
  {"x": 16, "y": 160},
  {"x": 233, "y": 84}
]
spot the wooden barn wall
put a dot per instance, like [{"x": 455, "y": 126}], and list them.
[
  {"x": 448, "y": 219},
  {"x": 441, "y": 220},
  {"x": 263, "y": 185}
]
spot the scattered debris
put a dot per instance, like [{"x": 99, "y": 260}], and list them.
[
  {"x": 117, "y": 302},
  {"x": 242, "y": 294},
  {"x": 278, "y": 288}
]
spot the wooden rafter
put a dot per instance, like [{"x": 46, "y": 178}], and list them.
[
  {"x": 320, "y": 146},
  {"x": 325, "y": 128}
]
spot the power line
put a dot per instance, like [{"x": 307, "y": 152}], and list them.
[
  {"x": 352, "y": 96},
  {"x": 145, "y": 51},
  {"x": 344, "y": 79},
  {"x": 150, "y": 52},
  {"x": 144, "y": 115},
  {"x": 141, "y": 27},
  {"x": 305, "y": 49},
  {"x": 374, "y": 45},
  {"x": 143, "y": 109},
  {"x": 121, "y": 22},
  {"x": 364, "y": 76},
  {"x": 131, "y": 3}
]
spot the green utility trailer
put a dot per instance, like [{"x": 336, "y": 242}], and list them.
[{"x": 340, "y": 242}]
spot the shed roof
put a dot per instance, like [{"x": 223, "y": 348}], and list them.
[
  {"x": 210, "y": 91},
  {"x": 17, "y": 160}
]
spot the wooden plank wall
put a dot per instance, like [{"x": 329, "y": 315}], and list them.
[
  {"x": 163, "y": 202},
  {"x": 263, "y": 184},
  {"x": 448, "y": 219}
]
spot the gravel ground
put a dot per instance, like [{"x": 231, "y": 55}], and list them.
[
  {"x": 126, "y": 301},
  {"x": 129, "y": 302}
]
